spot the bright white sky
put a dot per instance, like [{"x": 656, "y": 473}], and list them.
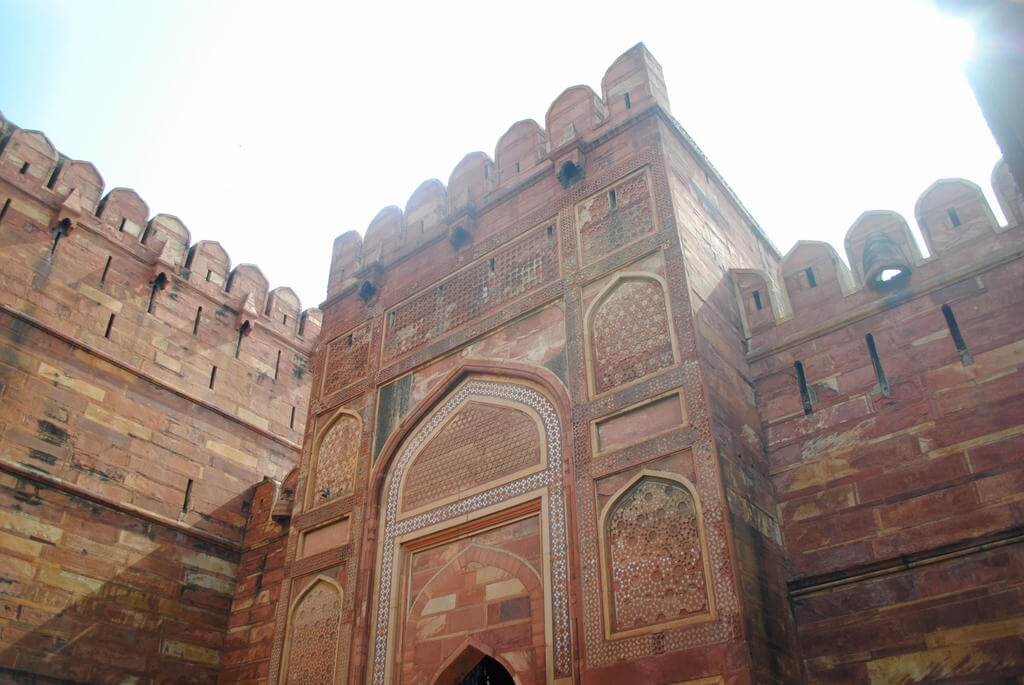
[{"x": 275, "y": 127}]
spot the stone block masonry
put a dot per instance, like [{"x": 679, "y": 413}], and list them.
[
  {"x": 892, "y": 419},
  {"x": 833, "y": 441},
  {"x": 145, "y": 389},
  {"x": 541, "y": 298},
  {"x": 573, "y": 419}
]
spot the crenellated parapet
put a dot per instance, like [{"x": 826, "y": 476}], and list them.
[
  {"x": 632, "y": 85},
  {"x": 815, "y": 289},
  {"x": 104, "y": 270}
]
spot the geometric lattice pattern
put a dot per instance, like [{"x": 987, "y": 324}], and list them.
[
  {"x": 482, "y": 443},
  {"x": 654, "y": 555},
  {"x": 630, "y": 333},
  {"x": 313, "y": 642},
  {"x": 482, "y": 287},
  {"x": 604, "y": 229},
  {"x": 335, "y": 471},
  {"x": 346, "y": 357}
]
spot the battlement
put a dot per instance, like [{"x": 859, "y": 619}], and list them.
[
  {"x": 146, "y": 386},
  {"x": 813, "y": 289},
  {"x": 29, "y": 162},
  {"x": 102, "y": 270},
  {"x": 575, "y": 119}
]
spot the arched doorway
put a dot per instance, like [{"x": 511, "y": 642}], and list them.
[
  {"x": 447, "y": 492},
  {"x": 487, "y": 672},
  {"x": 473, "y": 666}
]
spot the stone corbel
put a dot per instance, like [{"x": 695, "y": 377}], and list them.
[
  {"x": 369, "y": 279},
  {"x": 461, "y": 227},
  {"x": 248, "y": 314},
  {"x": 70, "y": 209},
  {"x": 570, "y": 165}
]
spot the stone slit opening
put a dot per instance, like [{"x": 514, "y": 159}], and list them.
[
  {"x": 805, "y": 392},
  {"x": 958, "y": 339},
  {"x": 954, "y": 217},
  {"x": 876, "y": 363},
  {"x": 106, "y": 269}
]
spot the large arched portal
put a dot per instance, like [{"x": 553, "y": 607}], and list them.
[
  {"x": 471, "y": 666},
  {"x": 472, "y": 540}
]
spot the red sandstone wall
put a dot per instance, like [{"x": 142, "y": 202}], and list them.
[
  {"x": 602, "y": 286},
  {"x": 95, "y": 595},
  {"x": 483, "y": 588},
  {"x": 717, "y": 235},
  {"x": 900, "y": 505},
  {"x": 250, "y": 631},
  {"x": 121, "y": 560},
  {"x": 509, "y": 270}
]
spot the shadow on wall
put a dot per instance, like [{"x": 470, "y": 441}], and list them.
[
  {"x": 90, "y": 594},
  {"x": 736, "y": 427}
]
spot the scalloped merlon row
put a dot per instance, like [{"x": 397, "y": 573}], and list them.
[
  {"x": 632, "y": 84},
  {"x": 30, "y": 162},
  {"x": 956, "y": 222}
]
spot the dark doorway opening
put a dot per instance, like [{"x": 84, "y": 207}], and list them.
[{"x": 487, "y": 672}]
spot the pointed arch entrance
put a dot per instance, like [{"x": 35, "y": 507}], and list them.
[
  {"x": 488, "y": 671},
  {"x": 474, "y": 664},
  {"x": 506, "y": 494}
]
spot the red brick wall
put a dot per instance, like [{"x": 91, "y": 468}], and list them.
[
  {"x": 73, "y": 416},
  {"x": 960, "y": 620}
]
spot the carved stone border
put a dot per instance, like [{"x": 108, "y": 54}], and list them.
[
  {"x": 550, "y": 478},
  {"x": 598, "y": 650},
  {"x": 344, "y": 558}
]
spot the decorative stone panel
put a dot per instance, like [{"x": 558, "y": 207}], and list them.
[
  {"x": 481, "y": 444},
  {"x": 655, "y": 564},
  {"x": 629, "y": 333},
  {"x": 614, "y": 218},
  {"x": 347, "y": 357},
  {"x": 484, "y": 286},
  {"x": 313, "y": 636},
  {"x": 335, "y": 461},
  {"x": 486, "y": 589}
]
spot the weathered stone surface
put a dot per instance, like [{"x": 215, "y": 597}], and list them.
[
  {"x": 573, "y": 417},
  {"x": 126, "y": 467}
]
